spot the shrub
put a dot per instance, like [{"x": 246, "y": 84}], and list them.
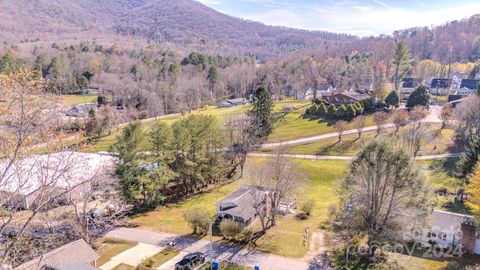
[
  {"x": 419, "y": 97},
  {"x": 453, "y": 265},
  {"x": 351, "y": 111},
  {"x": 198, "y": 219},
  {"x": 149, "y": 262},
  {"x": 341, "y": 111},
  {"x": 230, "y": 229},
  {"x": 393, "y": 100},
  {"x": 332, "y": 110},
  {"x": 307, "y": 207},
  {"x": 368, "y": 105},
  {"x": 246, "y": 234},
  {"x": 322, "y": 109}
]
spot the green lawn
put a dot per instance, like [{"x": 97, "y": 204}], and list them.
[
  {"x": 79, "y": 99},
  {"x": 123, "y": 267},
  {"x": 110, "y": 247},
  {"x": 162, "y": 257},
  {"x": 294, "y": 125},
  {"x": 350, "y": 144},
  {"x": 287, "y": 237},
  {"x": 170, "y": 218},
  {"x": 319, "y": 183}
]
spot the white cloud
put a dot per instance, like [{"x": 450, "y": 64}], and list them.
[{"x": 357, "y": 17}]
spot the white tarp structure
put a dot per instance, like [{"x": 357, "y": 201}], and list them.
[{"x": 27, "y": 178}]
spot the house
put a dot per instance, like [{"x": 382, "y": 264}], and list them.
[
  {"x": 450, "y": 229},
  {"x": 80, "y": 110},
  {"x": 71, "y": 266},
  {"x": 440, "y": 86},
  {"x": 364, "y": 86},
  {"x": 349, "y": 97},
  {"x": 469, "y": 86},
  {"x": 410, "y": 84},
  {"x": 77, "y": 255},
  {"x": 56, "y": 171},
  {"x": 457, "y": 78},
  {"x": 232, "y": 102},
  {"x": 240, "y": 205},
  {"x": 465, "y": 91},
  {"x": 322, "y": 89}
]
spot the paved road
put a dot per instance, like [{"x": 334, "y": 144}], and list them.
[
  {"x": 432, "y": 117},
  {"x": 222, "y": 252},
  {"x": 317, "y": 157}
]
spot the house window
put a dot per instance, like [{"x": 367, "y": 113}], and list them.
[{"x": 442, "y": 236}]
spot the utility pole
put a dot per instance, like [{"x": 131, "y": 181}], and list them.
[
  {"x": 211, "y": 245},
  {"x": 349, "y": 210}
]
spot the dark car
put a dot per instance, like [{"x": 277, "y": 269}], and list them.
[{"x": 190, "y": 261}]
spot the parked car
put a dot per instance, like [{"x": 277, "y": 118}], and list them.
[{"x": 190, "y": 261}]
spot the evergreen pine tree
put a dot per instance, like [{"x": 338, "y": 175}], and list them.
[
  {"x": 466, "y": 165},
  {"x": 261, "y": 117}
]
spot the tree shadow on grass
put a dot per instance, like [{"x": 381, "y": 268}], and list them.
[
  {"x": 337, "y": 147},
  {"x": 319, "y": 119}
]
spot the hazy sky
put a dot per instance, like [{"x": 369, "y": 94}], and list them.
[{"x": 359, "y": 17}]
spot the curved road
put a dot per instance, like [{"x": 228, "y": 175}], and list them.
[{"x": 317, "y": 157}]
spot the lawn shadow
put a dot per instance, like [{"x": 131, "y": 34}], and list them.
[
  {"x": 181, "y": 241},
  {"x": 337, "y": 147}
]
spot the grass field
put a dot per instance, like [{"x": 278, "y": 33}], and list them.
[
  {"x": 350, "y": 144},
  {"x": 79, "y": 99},
  {"x": 319, "y": 183},
  {"x": 123, "y": 267},
  {"x": 287, "y": 237},
  {"x": 109, "y": 247},
  {"x": 162, "y": 257},
  {"x": 294, "y": 125}
]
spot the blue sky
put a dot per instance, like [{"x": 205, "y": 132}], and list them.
[{"x": 359, "y": 17}]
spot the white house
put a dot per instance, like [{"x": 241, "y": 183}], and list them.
[
  {"x": 465, "y": 91},
  {"x": 448, "y": 229},
  {"x": 27, "y": 178},
  {"x": 410, "y": 84},
  {"x": 440, "y": 86},
  {"x": 322, "y": 89}
]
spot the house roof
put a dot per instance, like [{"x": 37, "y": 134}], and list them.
[
  {"x": 240, "y": 202},
  {"x": 77, "y": 252},
  {"x": 73, "y": 266},
  {"x": 470, "y": 84},
  {"x": 448, "y": 221},
  {"x": 441, "y": 83},
  {"x": 351, "y": 94},
  {"x": 412, "y": 82}
]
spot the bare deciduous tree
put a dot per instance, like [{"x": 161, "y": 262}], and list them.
[
  {"x": 280, "y": 178},
  {"x": 359, "y": 124},
  {"x": 340, "y": 127},
  {"x": 400, "y": 119},
  {"x": 380, "y": 118}
]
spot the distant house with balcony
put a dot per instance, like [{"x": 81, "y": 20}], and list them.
[
  {"x": 345, "y": 98},
  {"x": 440, "y": 86}
]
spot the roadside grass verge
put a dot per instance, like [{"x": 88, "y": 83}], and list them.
[
  {"x": 350, "y": 144},
  {"x": 161, "y": 257},
  {"x": 110, "y": 247}
]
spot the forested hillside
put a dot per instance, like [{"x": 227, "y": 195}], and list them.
[{"x": 185, "y": 23}]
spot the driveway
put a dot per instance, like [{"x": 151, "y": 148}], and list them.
[
  {"x": 222, "y": 252},
  {"x": 133, "y": 256}
]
